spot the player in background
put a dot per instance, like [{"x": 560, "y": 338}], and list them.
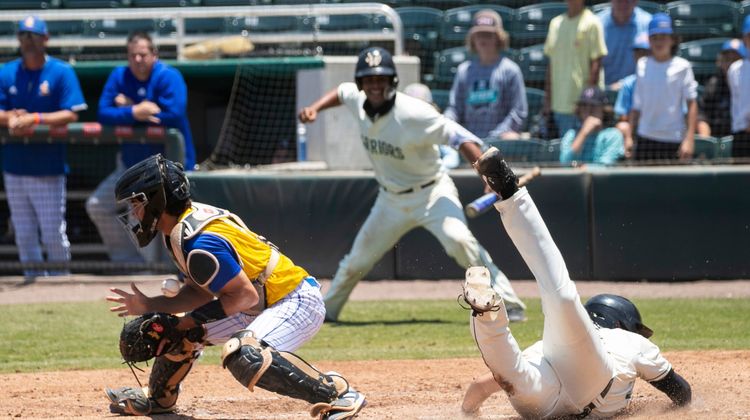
[
  {"x": 401, "y": 135},
  {"x": 239, "y": 290},
  {"x": 589, "y": 357}
]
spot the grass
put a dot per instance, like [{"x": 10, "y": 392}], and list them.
[{"x": 70, "y": 336}]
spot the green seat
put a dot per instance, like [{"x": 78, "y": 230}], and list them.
[
  {"x": 724, "y": 149},
  {"x": 262, "y": 24},
  {"x": 29, "y": 4},
  {"x": 649, "y": 6},
  {"x": 205, "y": 25},
  {"x": 334, "y": 23},
  {"x": 237, "y": 2},
  {"x": 458, "y": 21},
  {"x": 441, "y": 97},
  {"x": 535, "y": 102},
  {"x": 695, "y": 19},
  {"x": 532, "y": 22},
  {"x": 101, "y": 28},
  {"x": 94, "y": 4},
  {"x": 702, "y": 55},
  {"x": 528, "y": 150},
  {"x": 65, "y": 27},
  {"x": 421, "y": 24},
  {"x": 533, "y": 64},
  {"x": 706, "y": 147},
  {"x": 446, "y": 65},
  {"x": 165, "y": 3}
]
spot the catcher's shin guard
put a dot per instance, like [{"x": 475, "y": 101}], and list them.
[{"x": 254, "y": 363}]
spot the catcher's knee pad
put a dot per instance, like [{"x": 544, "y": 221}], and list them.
[
  {"x": 254, "y": 363},
  {"x": 169, "y": 370}
]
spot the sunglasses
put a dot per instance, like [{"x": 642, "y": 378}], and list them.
[{"x": 27, "y": 34}]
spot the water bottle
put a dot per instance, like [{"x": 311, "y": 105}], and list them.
[{"x": 301, "y": 142}]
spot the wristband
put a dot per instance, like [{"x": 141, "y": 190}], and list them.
[
  {"x": 37, "y": 118},
  {"x": 212, "y": 311}
]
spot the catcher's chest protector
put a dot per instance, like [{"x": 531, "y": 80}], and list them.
[{"x": 192, "y": 225}]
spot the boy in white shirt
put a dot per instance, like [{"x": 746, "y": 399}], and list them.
[
  {"x": 663, "y": 84},
  {"x": 738, "y": 78}
]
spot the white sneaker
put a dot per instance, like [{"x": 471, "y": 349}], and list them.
[{"x": 478, "y": 291}]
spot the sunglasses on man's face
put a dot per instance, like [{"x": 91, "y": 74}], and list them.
[{"x": 28, "y": 35}]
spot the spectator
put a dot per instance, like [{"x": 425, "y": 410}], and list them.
[
  {"x": 713, "y": 105},
  {"x": 592, "y": 143},
  {"x": 621, "y": 22},
  {"x": 448, "y": 155},
  {"x": 664, "y": 83},
  {"x": 488, "y": 96},
  {"x": 738, "y": 78},
  {"x": 575, "y": 47},
  {"x": 624, "y": 101},
  {"x": 37, "y": 89},
  {"x": 146, "y": 91}
]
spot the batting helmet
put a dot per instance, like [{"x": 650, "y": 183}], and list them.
[
  {"x": 613, "y": 311},
  {"x": 375, "y": 61},
  {"x": 148, "y": 189}
]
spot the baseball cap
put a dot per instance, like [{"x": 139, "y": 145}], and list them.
[
  {"x": 661, "y": 23},
  {"x": 746, "y": 26},
  {"x": 640, "y": 42},
  {"x": 592, "y": 95},
  {"x": 734, "y": 45},
  {"x": 487, "y": 20},
  {"x": 33, "y": 24},
  {"x": 419, "y": 91}
]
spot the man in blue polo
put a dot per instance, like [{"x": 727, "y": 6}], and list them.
[
  {"x": 621, "y": 22},
  {"x": 146, "y": 91},
  {"x": 37, "y": 89}
]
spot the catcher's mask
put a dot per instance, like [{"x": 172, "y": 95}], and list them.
[
  {"x": 376, "y": 61},
  {"x": 147, "y": 189},
  {"x": 613, "y": 311}
]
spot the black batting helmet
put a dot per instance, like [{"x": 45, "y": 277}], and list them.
[
  {"x": 613, "y": 311},
  {"x": 375, "y": 61},
  {"x": 154, "y": 185}
]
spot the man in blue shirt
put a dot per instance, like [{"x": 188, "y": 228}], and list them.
[
  {"x": 621, "y": 22},
  {"x": 146, "y": 91},
  {"x": 37, "y": 89}
]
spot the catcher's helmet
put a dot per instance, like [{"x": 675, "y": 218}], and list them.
[
  {"x": 375, "y": 61},
  {"x": 149, "y": 188},
  {"x": 613, "y": 311}
]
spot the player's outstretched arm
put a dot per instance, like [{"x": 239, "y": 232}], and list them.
[
  {"x": 309, "y": 113},
  {"x": 676, "y": 388}
]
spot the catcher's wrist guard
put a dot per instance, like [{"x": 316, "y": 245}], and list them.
[{"x": 212, "y": 311}]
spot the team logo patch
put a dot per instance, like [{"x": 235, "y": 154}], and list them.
[
  {"x": 29, "y": 22},
  {"x": 373, "y": 58}
]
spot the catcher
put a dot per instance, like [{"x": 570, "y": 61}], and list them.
[{"x": 239, "y": 291}]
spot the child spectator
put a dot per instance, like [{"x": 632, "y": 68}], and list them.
[
  {"x": 592, "y": 143},
  {"x": 738, "y": 77},
  {"x": 664, "y": 82},
  {"x": 714, "y": 104}
]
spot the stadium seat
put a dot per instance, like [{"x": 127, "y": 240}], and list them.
[
  {"x": 695, "y": 19},
  {"x": 446, "y": 65},
  {"x": 532, "y": 22},
  {"x": 533, "y": 64},
  {"x": 649, "y": 6},
  {"x": 352, "y": 22},
  {"x": 702, "y": 55},
  {"x": 706, "y": 147},
  {"x": 725, "y": 147},
  {"x": 205, "y": 25},
  {"x": 535, "y": 101},
  {"x": 441, "y": 97},
  {"x": 65, "y": 27},
  {"x": 7, "y": 28},
  {"x": 528, "y": 150},
  {"x": 95, "y": 4},
  {"x": 101, "y": 28},
  {"x": 165, "y": 3},
  {"x": 237, "y": 2},
  {"x": 421, "y": 26},
  {"x": 262, "y": 24},
  {"x": 29, "y": 4},
  {"x": 457, "y": 21}
]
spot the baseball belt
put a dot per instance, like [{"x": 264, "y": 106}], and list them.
[
  {"x": 411, "y": 190},
  {"x": 589, "y": 408}
]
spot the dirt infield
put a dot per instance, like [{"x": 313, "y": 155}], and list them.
[{"x": 426, "y": 389}]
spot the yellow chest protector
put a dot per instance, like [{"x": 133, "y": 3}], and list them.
[{"x": 273, "y": 274}]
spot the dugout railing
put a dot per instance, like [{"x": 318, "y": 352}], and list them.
[
  {"x": 176, "y": 18},
  {"x": 91, "y": 156}
]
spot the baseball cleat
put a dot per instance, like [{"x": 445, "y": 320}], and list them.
[
  {"x": 495, "y": 170},
  {"x": 347, "y": 406},
  {"x": 516, "y": 314},
  {"x": 478, "y": 291}
]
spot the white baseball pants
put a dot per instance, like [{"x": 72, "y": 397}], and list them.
[
  {"x": 37, "y": 205},
  {"x": 286, "y": 325},
  {"x": 573, "y": 367},
  {"x": 437, "y": 209}
]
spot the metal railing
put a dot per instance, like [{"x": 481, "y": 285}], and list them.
[{"x": 179, "y": 15}]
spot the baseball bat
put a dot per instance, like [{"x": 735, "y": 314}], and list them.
[{"x": 480, "y": 205}]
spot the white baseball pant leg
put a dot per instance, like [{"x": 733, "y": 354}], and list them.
[
  {"x": 285, "y": 326},
  {"x": 384, "y": 226},
  {"x": 575, "y": 362},
  {"x": 37, "y": 205},
  {"x": 443, "y": 216}
]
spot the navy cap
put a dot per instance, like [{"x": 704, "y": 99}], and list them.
[
  {"x": 34, "y": 25},
  {"x": 661, "y": 23},
  {"x": 734, "y": 45},
  {"x": 592, "y": 95}
]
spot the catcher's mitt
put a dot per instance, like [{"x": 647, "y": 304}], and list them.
[{"x": 148, "y": 336}]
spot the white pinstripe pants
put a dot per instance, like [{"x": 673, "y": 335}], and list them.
[{"x": 286, "y": 325}]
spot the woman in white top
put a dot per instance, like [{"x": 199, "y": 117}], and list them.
[{"x": 664, "y": 84}]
